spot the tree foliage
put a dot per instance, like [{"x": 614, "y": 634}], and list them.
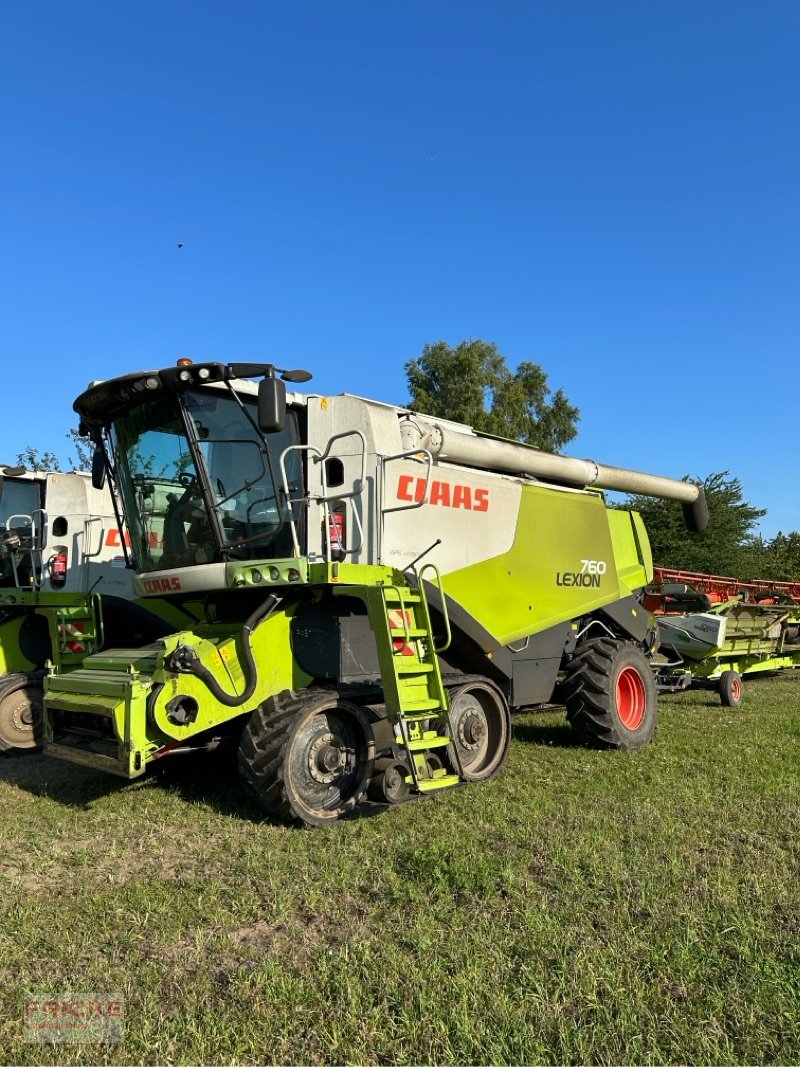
[
  {"x": 778, "y": 559},
  {"x": 471, "y": 383},
  {"x": 35, "y": 460},
  {"x": 729, "y": 545}
]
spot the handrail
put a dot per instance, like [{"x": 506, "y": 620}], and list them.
[
  {"x": 412, "y": 454},
  {"x": 445, "y": 614},
  {"x": 326, "y": 499},
  {"x": 96, "y": 602}
]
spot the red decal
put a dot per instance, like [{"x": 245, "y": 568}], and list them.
[
  {"x": 440, "y": 494},
  {"x": 113, "y": 540},
  {"x": 443, "y": 494},
  {"x": 403, "y": 487},
  {"x": 462, "y": 497},
  {"x": 162, "y": 585}
]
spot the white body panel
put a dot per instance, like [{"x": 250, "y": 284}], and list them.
[
  {"x": 73, "y": 518},
  {"x": 694, "y": 636}
]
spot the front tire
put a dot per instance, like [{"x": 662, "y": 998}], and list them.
[
  {"x": 611, "y": 695},
  {"x": 308, "y": 758},
  {"x": 21, "y": 712}
]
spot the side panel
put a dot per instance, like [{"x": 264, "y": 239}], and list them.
[
  {"x": 81, "y": 523},
  {"x": 562, "y": 565},
  {"x": 472, "y": 514}
]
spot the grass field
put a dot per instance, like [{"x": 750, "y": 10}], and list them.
[{"x": 585, "y": 907}]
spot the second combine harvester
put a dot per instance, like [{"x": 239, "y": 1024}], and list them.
[{"x": 367, "y": 591}]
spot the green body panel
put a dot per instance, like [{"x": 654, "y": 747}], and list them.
[
  {"x": 551, "y": 573},
  {"x": 131, "y": 688},
  {"x": 11, "y": 658},
  {"x": 745, "y": 665},
  {"x": 71, "y": 621},
  {"x": 74, "y": 622}
]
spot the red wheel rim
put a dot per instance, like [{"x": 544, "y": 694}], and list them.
[
  {"x": 631, "y": 698},
  {"x": 736, "y": 690}
]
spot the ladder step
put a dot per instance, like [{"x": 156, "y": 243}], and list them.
[
  {"x": 400, "y": 631},
  {"x": 411, "y": 665},
  {"x": 397, "y": 596},
  {"x": 446, "y": 781},
  {"x": 422, "y": 744},
  {"x": 410, "y": 708}
]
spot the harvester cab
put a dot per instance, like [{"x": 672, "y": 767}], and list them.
[{"x": 368, "y": 591}]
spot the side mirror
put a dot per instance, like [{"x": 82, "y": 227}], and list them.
[
  {"x": 98, "y": 469},
  {"x": 271, "y": 405}
]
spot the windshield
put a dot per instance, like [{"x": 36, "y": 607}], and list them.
[{"x": 207, "y": 494}]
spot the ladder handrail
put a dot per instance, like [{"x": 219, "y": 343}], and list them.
[
  {"x": 34, "y": 550},
  {"x": 445, "y": 613},
  {"x": 96, "y": 606},
  {"x": 326, "y": 499}
]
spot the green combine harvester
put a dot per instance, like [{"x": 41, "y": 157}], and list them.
[{"x": 366, "y": 592}]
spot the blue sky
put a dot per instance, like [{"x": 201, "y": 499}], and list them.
[{"x": 609, "y": 189}]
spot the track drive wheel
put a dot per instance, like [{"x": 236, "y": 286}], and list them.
[
  {"x": 307, "y": 758},
  {"x": 611, "y": 695},
  {"x": 480, "y": 727},
  {"x": 731, "y": 690},
  {"x": 21, "y": 712}
]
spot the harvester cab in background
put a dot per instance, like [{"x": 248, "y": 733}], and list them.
[
  {"x": 63, "y": 584},
  {"x": 371, "y": 591},
  {"x": 57, "y": 532}
]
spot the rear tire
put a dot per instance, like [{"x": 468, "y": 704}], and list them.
[
  {"x": 731, "y": 690},
  {"x": 611, "y": 695},
  {"x": 480, "y": 726},
  {"x": 21, "y": 712},
  {"x": 308, "y": 758}
]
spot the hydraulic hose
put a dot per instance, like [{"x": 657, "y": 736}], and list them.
[{"x": 184, "y": 660}]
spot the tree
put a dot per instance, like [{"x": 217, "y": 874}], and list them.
[
  {"x": 84, "y": 451},
  {"x": 779, "y": 559},
  {"x": 727, "y": 546},
  {"x": 471, "y": 383},
  {"x": 49, "y": 461},
  {"x": 30, "y": 458}
]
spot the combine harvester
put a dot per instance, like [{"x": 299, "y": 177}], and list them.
[
  {"x": 366, "y": 591},
  {"x": 713, "y": 631}
]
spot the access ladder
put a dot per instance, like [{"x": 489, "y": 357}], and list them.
[{"x": 415, "y": 696}]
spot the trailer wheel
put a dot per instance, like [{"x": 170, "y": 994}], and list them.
[
  {"x": 611, "y": 695},
  {"x": 307, "y": 759},
  {"x": 480, "y": 727},
  {"x": 731, "y": 690},
  {"x": 21, "y": 712}
]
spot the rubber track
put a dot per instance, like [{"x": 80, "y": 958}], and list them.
[
  {"x": 588, "y": 696},
  {"x": 262, "y": 748}
]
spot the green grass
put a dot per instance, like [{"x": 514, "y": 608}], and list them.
[{"x": 585, "y": 907}]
